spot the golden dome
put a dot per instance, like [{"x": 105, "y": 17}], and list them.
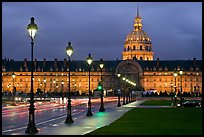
[
  {"x": 137, "y": 34},
  {"x": 138, "y": 44}
]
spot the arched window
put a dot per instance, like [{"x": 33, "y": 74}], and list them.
[
  {"x": 128, "y": 48},
  {"x": 140, "y": 58},
  {"x": 140, "y": 47},
  {"x": 133, "y": 47}
]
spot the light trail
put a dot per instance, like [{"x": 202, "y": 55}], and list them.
[{"x": 77, "y": 114}]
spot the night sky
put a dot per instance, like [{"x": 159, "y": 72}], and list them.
[{"x": 100, "y": 28}]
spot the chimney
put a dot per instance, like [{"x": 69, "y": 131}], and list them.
[
  {"x": 55, "y": 63},
  {"x": 194, "y": 62},
  {"x": 12, "y": 63},
  {"x": 25, "y": 62},
  {"x": 65, "y": 61},
  {"x": 157, "y": 62},
  {"x": 44, "y": 62},
  {"x": 35, "y": 62}
]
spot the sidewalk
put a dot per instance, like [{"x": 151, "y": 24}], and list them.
[{"x": 84, "y": 124}]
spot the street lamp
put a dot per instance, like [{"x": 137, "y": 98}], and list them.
[
  {"x": 119, "y": 90},
  {"x": 124, "y": 93},
  {"x": 31, "y": 129},
  {"x": 171, "y": 93},
  {"x": 44, "y": 87},
  {"x": 69, "y": 119},
  {"x": 13, "y": 76},
  {"x": 181, "y": 73},
  {"x": 89, "y": 61},
  {"x": 54, "y": 88},
  {"x": 62, "y": 82},
  {"x": 175, "y": 75},
  {"x": 102, "y": 109}
]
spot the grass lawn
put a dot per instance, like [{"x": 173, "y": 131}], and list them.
[
  {"x": 156, "y": 121},
  {"x": 162, "y": 102},
  {"x": 157, "y": 103}
]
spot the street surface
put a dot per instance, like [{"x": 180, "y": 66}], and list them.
[
  {"x": 16, "y": 117},
  {"x": 50, "y": 116}
]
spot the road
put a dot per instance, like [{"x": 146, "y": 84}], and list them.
[{"x": 16, "y": 117}]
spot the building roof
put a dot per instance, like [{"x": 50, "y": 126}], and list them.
[
  {"x": 57, "y": 66},
  {"x": 171, "y": 65},
  {"x": 109, "y": 66}
]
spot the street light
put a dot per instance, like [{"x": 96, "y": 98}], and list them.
[
  {"x": 171, "y": 93},
  {"x": 124, "y": 93},
  {"x": 44, "y": 87},
  {"x": 69, "y": 119},
  {"x": 62, "y": 82},
  {"x": 102, "y": 109},
  {"x": 13, "y": 76},
  {"x": 175, "y": 75},
  {"x": 54, "y": 88},
  {"x": 89, "y": 61},
  {"x": 119, "y": 90},
  {"x": 31, "y": 129},
  {"x": 181, "y": 73}
]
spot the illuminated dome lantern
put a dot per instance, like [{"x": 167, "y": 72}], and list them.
[{"x": 138, "y": 44}]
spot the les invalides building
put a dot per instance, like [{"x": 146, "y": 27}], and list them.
[{"x": 138, "y": 71}]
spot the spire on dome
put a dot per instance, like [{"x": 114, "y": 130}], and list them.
[
  {"x": 137, "y": 11},
  {"x": 138, "y": 20}
]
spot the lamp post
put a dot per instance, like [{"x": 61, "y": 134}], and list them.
[
  {"x": 54, "y": 88},
  {"x": 102, "y": 109},
  {"x": 69, "y": 119},
  {"x": 31, "y": 129},
  {"x": 44, "y": 87},
  {"x": 57, "y": 96},
  {"x": 62, "y": 82},
  {"x": 41, "y": 94},
  {"x": 124, "y": 93},
  {"x": 119, "y": 91},
  {"x": 172, "y": 94},
  {"x": 181, "y": 73},
  {"x": 175, "y": 96},
  {"x": 89, "y": 61},
  {"x": 13, "y": 76}
]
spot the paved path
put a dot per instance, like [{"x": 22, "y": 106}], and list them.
[{"x": 82, "y": 125}]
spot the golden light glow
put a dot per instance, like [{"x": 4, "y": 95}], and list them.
[
  {"x": 101, "y": 65},
  {"x": 69, "y": 49},
  {"x": 13, "y": 75},
  {"x": 32, "y": 32},
  {"x": 175, "y": 74},
  {"x": 119, "y": 74},
  {"x": 89, "y": 59},
  {"x": 32, "y": 28}
]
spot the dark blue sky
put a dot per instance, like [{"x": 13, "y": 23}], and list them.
[{"x": 100, "y": 28}]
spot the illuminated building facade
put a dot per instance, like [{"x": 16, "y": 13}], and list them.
[
  {"x": 137, "y": 64},
  {"x": 138, "y": 44}
]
